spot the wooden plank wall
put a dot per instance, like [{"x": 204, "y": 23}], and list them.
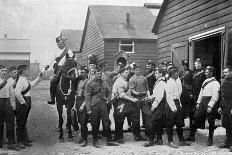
[
  {"x": 144, "y": 50},
  {"x": 93, "y": 43},
  {"x": 185, "y": 18}
]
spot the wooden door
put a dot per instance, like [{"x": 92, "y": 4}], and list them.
[{"x": 179, "y": 52}]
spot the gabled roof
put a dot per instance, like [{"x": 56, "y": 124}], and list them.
[
  {"x": 112, "y": 21},
  {"x": 159, "y": 17},
  {"x": 15, "y": 45},
  {"x": 73, "y": 39}
]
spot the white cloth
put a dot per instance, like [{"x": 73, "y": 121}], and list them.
[
  {"x": 211, "y": 89},
  {"x": 173, "y": 91},
  {"x": 158, "y": 92},
  {"x": 11, "y": 82},
  {"x": 58, "y": 53},
  {"x": 7, "y": 92},
  {"x": 22, "y": 85},
  {"x": 120, "y": 88}
]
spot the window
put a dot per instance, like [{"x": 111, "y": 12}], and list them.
[{"x": 126, "y": 46}]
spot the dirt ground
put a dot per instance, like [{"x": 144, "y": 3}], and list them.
[{"x": 43, "y": 121}]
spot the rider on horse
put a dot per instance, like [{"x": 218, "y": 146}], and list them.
[{"x": 65, "y": 54}]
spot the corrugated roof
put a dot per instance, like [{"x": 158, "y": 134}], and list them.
[
  {"x": 15, "y": 45},
  {"x": 112, "y": 21},
  {"x": 73, "y": 38}
]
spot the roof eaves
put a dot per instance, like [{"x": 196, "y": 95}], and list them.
[{"x": 159, "y": 17}]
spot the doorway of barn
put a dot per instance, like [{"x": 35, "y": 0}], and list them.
[
  {"x": 209, "y": 51},
  {"x": 209, "y": 47}
]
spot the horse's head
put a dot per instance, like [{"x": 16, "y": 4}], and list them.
[{"x": 69, "y": 69}]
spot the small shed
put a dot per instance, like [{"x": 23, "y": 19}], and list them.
[
  {"x": 190, "y": 29},
  {"x": 110, "y": 29},
  {"x": 14, "y": 52}
]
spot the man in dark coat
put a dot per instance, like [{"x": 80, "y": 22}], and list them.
[
  {"x": 226, "y": 106},
  {"x": 198, "y": 79},
  {"x": 150, "y": 75},
  {"x": 186, "y": 79}
]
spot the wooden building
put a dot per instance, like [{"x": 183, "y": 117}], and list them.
[
  {"x": 14, "y": 52},
  {"x": 188, "y": 29},
  {"x": 110, "y": 29}
]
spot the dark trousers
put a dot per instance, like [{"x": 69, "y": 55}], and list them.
[
  {"x": 201, "y": 115},
  {"x": 174, "y": 118},
  {"x": 131, "y": 111},
  {"x": 54, "y": 82},
  {"x": 227, "y": 124},
  {"x": 7, "y": 116},
  {"x": 100, "y": 112},
  {"x": 154, "y": 122},
  {"x": 82, "y": 117},
  {"x": 22, "y": 113}
]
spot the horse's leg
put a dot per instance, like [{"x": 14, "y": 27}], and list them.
[
  {"x": 60, "y": 112},
  {"x": 69, "y": 122}
]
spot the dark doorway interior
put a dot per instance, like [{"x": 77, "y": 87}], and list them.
[{"x": 209, "y": 50}]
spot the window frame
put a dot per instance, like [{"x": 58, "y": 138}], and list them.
[{"x": 133, "y": 46}]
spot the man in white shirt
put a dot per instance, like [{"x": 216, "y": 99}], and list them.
[
  {"x": 173, "y": 112},
  {"x": 154, "y": 122},
  {"x": 6, "y": 111},
  {"x": 207, "y": 99},
  {"x": 23, "y": 103},
  {"x": 63, "y": 55}
]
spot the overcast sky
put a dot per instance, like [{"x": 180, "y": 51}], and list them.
[{"x": 42, "y": 20}]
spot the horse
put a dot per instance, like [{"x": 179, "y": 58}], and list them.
[{"x": 65, "y": 94}]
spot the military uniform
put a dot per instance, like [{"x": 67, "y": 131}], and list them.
[
  {"x": 96, "y": 94},
  {"x": 186, "y": 79},
  {"x": 198, "y": 79},
  {"x": 59, "y": 61},
  {"x": 226, "y": 106},
  {"x": 6, "y": 112},
  {"x": 208, "y": 97}
]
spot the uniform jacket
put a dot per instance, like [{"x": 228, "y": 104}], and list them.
[
  {"x": 95, "y": 90},
  {"x": 7, "y": 92},
  {"x": 226, "y": 93},
  {"x": 198, "y": 79},
  {"x": 150, "y": 76}
]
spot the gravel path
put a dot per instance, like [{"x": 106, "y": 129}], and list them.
[{"x": 42, "y": 128}]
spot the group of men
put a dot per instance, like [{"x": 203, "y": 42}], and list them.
[
  {"x": 15, "y": 105},
  {"x": 164, "y": 95}
]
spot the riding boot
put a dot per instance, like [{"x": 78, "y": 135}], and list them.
[{"x": 109, "y": 138}]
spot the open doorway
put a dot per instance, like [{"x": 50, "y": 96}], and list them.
[{"x": 209, "y": 50}]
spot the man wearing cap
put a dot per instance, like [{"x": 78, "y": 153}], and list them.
[
  {"x": 139, "y": 89},
  {"x": 173, "y": 110},
  {"x": 150, "y": 75},
  {"x": 154, "y": 121},
  {"x": 96, "y": 95},
  {"x": 186, "y": 79},
  {"x": 226, "y": 106},
  {"x": 80, "y": 104},
  {"x": 123, "y": 106},
  {"x": 23, "y": 104},
  {"x": 164, "y": 66},
  {"x": 63, "y": 55},
  {"x": 206, "y": 105},
  {"x": 198, "y": 79},
  {"x": 6, "y": 111}
]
